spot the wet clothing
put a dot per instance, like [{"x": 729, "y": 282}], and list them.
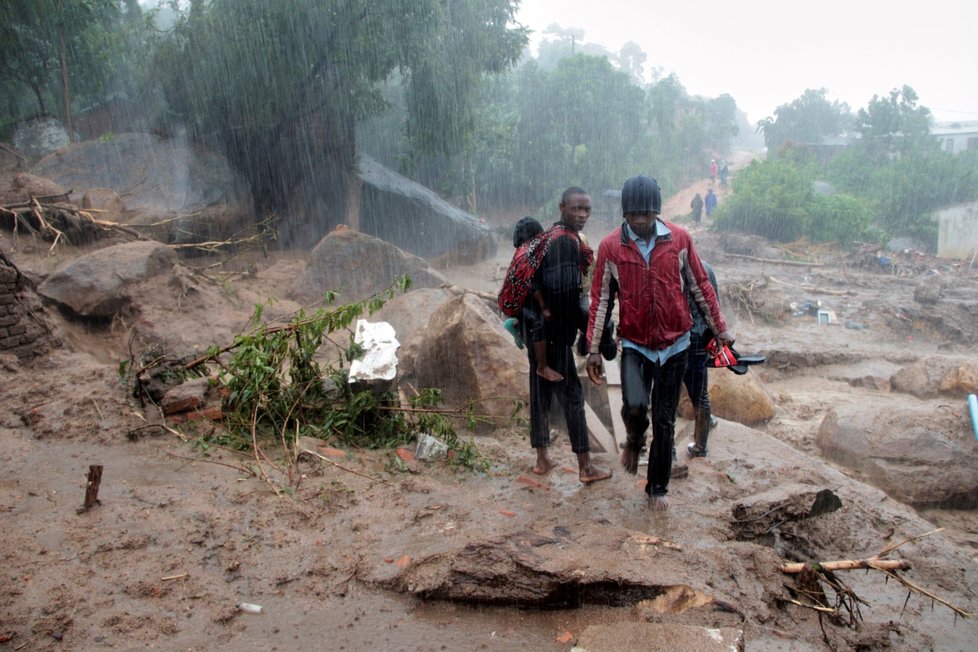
[
  {"x": 696, "y": 379},
  {"x": 711, "y": 203},
  {"x": 569, "y": 394},
  {"x": 651, "y": 280},
  {"x": 697, "y": 206},
  {"x": 645, "y": 383},
  {"x": 653, "y": 309},
  {"x": 559, "y": 279}
]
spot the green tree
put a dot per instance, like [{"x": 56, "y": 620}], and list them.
[
  {"x": 893, "y": 124},
  {"x": 687, "y": 130},
  {"x": 282, "y": 85},
  {"x": 775, "y": 199},
  {"x": 808, "y": 119},
  {"x": 41, "y": 40}
]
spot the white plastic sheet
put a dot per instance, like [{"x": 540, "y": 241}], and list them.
[{"x": 379, "y": 361}]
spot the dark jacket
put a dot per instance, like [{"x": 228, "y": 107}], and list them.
[
  {"x": 653, "y": 308},
  {"x": 700, "y": 333},
  {"x": 559, "y": 279}
]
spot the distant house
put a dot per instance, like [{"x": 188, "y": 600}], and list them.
[
  {"x": 957, "y": 231},
  {"x": 956, "y": 136}
]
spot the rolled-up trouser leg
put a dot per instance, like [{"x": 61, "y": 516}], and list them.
[
  {"x": 667, "y": 385},
  {"x": 541, "y": 392},
  {"x": 570, "y": 394}
]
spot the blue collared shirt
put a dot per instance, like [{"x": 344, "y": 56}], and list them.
[{"x": 645, "y": 248}]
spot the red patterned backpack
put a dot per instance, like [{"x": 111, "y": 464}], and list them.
[{"x": 527, "y": 260}]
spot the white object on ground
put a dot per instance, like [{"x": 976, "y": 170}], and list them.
[
  {"x": 430, "y": 447},
  {"x": 379, "y": 361},
  {"x": 250, "y": 608}
]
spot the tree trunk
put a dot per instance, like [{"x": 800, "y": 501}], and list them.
[{"x": 64, "y": 87}]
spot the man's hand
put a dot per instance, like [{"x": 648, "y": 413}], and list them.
[
  {"x": 595, "y": 368},
  {"x": 726, "y": 337}
]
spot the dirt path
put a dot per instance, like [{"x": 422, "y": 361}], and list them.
[{"x": 181, "y": 537}]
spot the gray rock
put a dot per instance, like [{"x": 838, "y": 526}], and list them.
[
  {"x": 394, "y": 208},
  {"x": 98, "y": 284},
  {"x": 921, "y": 457},
  {"x": 158, "y": 179},
  {"x": 40, "y": 136},
  {"x": 468, "y": 354},
  {"x": 356, "y": 265}
]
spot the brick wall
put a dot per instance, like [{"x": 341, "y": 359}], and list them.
[{"x": 22, "y": 329}]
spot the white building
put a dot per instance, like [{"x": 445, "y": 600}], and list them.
[
  {"x": 956, "y": 136},
  {"x": 957, "y": 231}
]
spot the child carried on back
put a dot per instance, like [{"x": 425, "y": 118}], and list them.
[{"x": 532, "y": 324}]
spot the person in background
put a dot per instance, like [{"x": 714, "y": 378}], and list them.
[
  {"x": 713, "y": 170},
  {"x": 722, "y": 171},
  {"x": 559, "y": 279},
  {"x": 710, "y": 203},
  {"x": 648, "y": 263},
  {"x": 696, "y": 379},
  {"x": 697, "y": 206}
]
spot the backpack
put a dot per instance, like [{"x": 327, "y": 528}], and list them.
[{"x": 526, "y": 261}]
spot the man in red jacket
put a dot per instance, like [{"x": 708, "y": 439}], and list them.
[{"x": 649, "y": 263}]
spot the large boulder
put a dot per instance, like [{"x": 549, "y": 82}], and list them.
[
  {"x": 356, "y": 265},
  {"x": 417, "y": 220},
  {"x": 468, "y": 354},
  {"x": 391, "y": 207},
  {"x": 409, "y": 313},
  {"x": 735, "y": 398},
  {"x": 25, "y": 185},
  {"x": 158, "y": 179},
  {"x": 937, "y": 376},
  {"x": 922, "y": 457},
  {"x": 39, "y": 136},
  {"x": 98, "y": 284}
]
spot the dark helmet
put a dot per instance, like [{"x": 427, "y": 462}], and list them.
[{"x": 641, "y": 194}]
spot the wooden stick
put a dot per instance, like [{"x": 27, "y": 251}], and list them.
[
  {"x": 773, "y": 261},
  {"x": 91, "y": 488},
  {"x": 815, "y": 290},
  {"x": 340, "y": 466},
  {"x": 847, "y": 564}
]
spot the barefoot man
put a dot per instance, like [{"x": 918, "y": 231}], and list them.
[
  {"x": 559, "y": 279},
  {"x": 649, "y": 263}
]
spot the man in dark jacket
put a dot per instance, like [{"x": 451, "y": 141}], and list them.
[
  {"x": 649, "y": 263},
  {"x": 696, "y": 378},
  {"x": 559, "y": 279}
]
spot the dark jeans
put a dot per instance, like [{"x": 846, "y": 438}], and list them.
[
  {"x": 569, "y": 394},
  {"x": 641, "y": 381},
  {"x": 695, "y": 380}
]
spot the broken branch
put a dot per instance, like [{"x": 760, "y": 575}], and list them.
[{"x": 847, "y": 564}]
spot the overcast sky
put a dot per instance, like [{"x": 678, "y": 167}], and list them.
[{"x": 765, "y": 53}]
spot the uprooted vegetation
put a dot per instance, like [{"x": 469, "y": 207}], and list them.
[{"x": 276, "y": 392}]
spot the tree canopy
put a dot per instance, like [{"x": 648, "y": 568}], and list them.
[{"x": 808, "y": 119}]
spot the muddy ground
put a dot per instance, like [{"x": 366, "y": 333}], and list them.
[{"x": 367, "y": 556}]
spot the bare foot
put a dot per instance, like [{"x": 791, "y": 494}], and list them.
[
  {"x": 543, "y": 465},
  {"x": 591, "y": 474},
  {"x": 549, "y": 374},
  {"x": 629, "y": 460},
  {"x": 658, "y": 503}
]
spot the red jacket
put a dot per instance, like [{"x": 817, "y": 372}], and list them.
[{"x": 652, "y": 305}]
